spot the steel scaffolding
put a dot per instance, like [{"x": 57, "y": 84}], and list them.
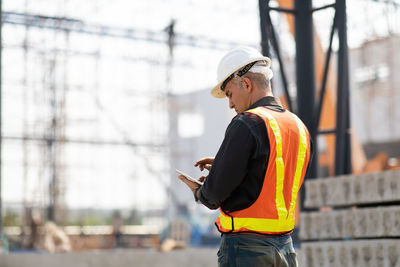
[{"x": 52, "y": 138}]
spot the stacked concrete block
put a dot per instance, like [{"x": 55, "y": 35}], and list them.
[
  {"x": 395, "y": 221},
  {"x": 356, "y": 189},
  {"x": 369, "y": 188},
  {"x": 313, "y": 193},
  {"x": 323, "y": 192},
  {"x": 388, "y": 222},
  {"x": 346, "y": 187},
  {"x": 359, "y": 223},
  {"x": 394, "y": 184},
  {"x": 353, "y": 190},
  {"x": 309, "y": 227},
  {"x": 382, "y": 253},
  {"x": 351, "y": 223},
  {"x": 315, "y": 226},
  {"x": 375, "y": 222},
  {"x": 392, "y": 254},
  {"x": 349, "y": 234},
  {"x": 338, "y": 223},
  {"x": 304, "y": 226},
  {"x": 334, "y": 225},
  {"x": 314, "y": 255},
  {"x": 386, "y": 190},
  {"x": 335, "y": 195},
  {"x": 322, "y": 254},
  {"x": 326, "y": 229}
]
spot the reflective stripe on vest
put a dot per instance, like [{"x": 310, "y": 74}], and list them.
[{"x": 267, "y": 215}]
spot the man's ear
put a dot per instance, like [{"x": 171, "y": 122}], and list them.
[{"x": 247, "y": 84}]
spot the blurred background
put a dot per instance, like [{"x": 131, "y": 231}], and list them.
[{"x": 102, "y": 100}]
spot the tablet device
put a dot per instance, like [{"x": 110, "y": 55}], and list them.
[{"x": 188, "y": 177}]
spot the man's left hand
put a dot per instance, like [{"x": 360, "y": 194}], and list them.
[{"x": 190, "y": 184}]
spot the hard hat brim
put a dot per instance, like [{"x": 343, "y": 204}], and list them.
[{"x": 218, "y": 93}]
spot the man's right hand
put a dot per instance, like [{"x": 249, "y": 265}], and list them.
[{"x": 204, "y": 163}]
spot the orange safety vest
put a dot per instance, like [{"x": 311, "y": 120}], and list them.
[{"x": 274, "y": 210}]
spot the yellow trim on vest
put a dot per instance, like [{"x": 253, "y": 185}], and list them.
[
  {"x": 257, "y": 224},
  {"x": 301, "y": 155},
  {"x": 280, "y": 166}
]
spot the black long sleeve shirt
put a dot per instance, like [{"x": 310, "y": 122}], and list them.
[{"x": 237, "y": 174}]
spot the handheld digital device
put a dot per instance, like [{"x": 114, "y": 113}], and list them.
[{"x": 188, "y": 177}]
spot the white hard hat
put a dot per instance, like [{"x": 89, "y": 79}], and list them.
[{"x": 236, "y": 59}]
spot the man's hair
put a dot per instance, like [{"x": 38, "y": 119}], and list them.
[{"x": 260, "y": 79}]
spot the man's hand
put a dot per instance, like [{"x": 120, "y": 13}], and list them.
[
  {"x": 204, "y": 163},
  {"x": 190, "y": 184}
]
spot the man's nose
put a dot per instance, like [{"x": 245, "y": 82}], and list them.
[{"x": 231, "y": 105}]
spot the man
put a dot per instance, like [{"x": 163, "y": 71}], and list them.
[{"x": 259, "y": 168}]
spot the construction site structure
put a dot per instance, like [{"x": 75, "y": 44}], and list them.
[
  {"x": 330, "y": 114},
  {"x": 60, "y": 113},
  {"x": 74, "y": 102},
  {"x": 340, "y": 217}
]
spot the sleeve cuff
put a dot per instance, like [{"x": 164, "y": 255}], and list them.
[{"x": 195, "y": 194}]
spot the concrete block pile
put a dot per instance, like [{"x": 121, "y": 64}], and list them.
[
  {"x": 380, "y": 252},
  {"x": 353, "y": 189},
  {"x": 351, "y": 223},
  {"x": 355, "y": 221}
]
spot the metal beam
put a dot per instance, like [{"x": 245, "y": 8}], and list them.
[
  {"x": 79, "y": 26},
  {"x": 343, "y": 148},
  {"x": 285, "y": 10},
  {"x": 308, "y": 109},
  {"x": 305, "y": 73},
  {"x": 267, "y": 30},
  {"x": 263, "y": 7},
  {"x": 46, "y": 139},
  {"x": 329, "y": 131},
  {"x": 323, "y": 7}
]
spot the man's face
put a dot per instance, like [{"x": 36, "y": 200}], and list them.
[{"x": 237, "y": 95}]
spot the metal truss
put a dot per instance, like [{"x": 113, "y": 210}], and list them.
[
  {"x": 308, "y": 106},
  {"x": 79, "y": 26}
]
